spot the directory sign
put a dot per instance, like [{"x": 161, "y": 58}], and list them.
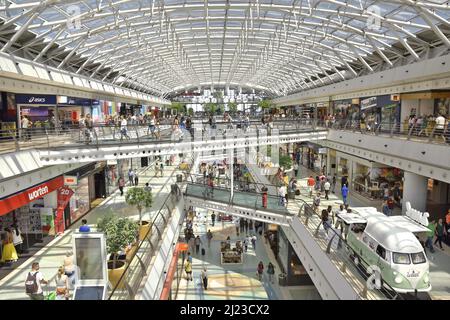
[{"x": 92, "y": 271}]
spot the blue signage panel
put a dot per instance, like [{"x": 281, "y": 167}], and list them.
[
  {"x": 73, "y": 101},
  {"x": 35, "y": 99}
]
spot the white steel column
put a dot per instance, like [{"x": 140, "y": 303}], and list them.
[
  {"x": 231, "y": 157},
  {"x": 415, "y": 189}
]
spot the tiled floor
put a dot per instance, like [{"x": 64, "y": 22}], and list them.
[{"x": 230, "y": 281}]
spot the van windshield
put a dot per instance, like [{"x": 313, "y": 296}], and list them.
[
  {"x": 401, "y": 258},
  {"x": 418, "y": 258}
]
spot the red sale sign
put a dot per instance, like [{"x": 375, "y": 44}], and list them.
[{"x": 64, "y": 195}]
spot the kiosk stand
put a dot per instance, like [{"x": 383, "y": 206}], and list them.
[{"x": 90, "y": 258}]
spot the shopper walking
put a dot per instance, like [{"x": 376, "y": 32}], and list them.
[
  {"x": 136, "y": 179},
  {"x": 33, "y": 283},
  {"x": 316, "y": 202},
  {"x": 69, "y": 267},
  {"x": 264, "y": 197},
  {"x": 123, "y": 129},
  {"x": 311, "y": 182},
  {"x": 260, "y": 270},
  {"x": 121, "y": 185},
  {"x": 237, "y": 224},
  {"x": 326, "y": 188},
  {"x": 344, "y": 192},
  {"x": 447, "y": 226},
  {"x": 271, "y": 271},
  {"x": 213, "y": 218},
  {"x": 282, "y": 195},
  {"x": 17, "y": 238},
  {"x": 390, "y": 203},
  {"x": 9, "y": 253},
  {"x": 440, "y": 126},
  {"x": 210, "y": 191},
  {"x": 333, "y": 184},
  {"x": 245, "y": 245},
  {"x": 385, "y": 208},
  {"x": 26, "y": 125},
  {"x": 295, "y": 169},
  {"x": 161, "y": 169},
  {"x": 198, "y": 242},
  {"x": 204, "y": 276},
  {"x": 192, "y": 242},
  {"x": 430, "y": 236},
  {"x": 253, "y": 240},
  {"x": 246, "y": 226},
  {"x": 62, "y": 285},
  {"x": 188, "y": 270},
  {"x": 209, "y": 237},
  {"x": 440, "y": 233},
  {"x": 84, "y": 226},
  {"x": 131, "y": 176}
]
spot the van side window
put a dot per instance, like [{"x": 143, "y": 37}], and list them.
[{"x": 381, "y": 252}]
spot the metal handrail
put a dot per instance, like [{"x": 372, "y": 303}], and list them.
[{"x": 137, "y": 260}]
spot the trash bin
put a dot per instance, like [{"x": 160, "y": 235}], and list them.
[
  {"x": 282, "y": 277},
  {"x": 179, "y": 178}
]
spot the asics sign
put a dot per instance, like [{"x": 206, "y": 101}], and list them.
[
  {"x": 36, "y": 100},
  {"x": 22, "y": 198}
]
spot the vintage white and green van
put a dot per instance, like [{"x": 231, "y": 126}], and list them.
[{"x": 390, "y": 243}]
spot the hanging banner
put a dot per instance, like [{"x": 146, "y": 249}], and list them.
[
  {"x": 64, "y": 195},
  {"x": 368, "y": 103}
]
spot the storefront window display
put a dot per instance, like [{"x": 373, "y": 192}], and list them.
[
  {"x": 343, "y": 169},
  {"x": 378, "y": 183},
  {"x": 112, "y": 176},
  {"x": 442, "y": 107},
  {"x": 40, "y": 110},
  {"x": 80, "y": 201},
  {"x": 291, "y": 264},
  {"x": 345, "y": 110},
  {"x": 32, "y": 210}
]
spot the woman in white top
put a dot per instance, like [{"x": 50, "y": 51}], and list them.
[
  {"x": 17, "y": 238},
  {"x": 62, "y": 285}
]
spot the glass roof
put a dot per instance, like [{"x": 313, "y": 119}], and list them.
[{"x": 278, "y": 45}]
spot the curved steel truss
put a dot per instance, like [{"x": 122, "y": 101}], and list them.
[{"x": 280, "y": 46}]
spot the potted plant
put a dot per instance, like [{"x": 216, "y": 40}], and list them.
[
  {"x": 140, "y": 198},
  {"x": 232, "y": 107},
  {"x": 120, "y": 233},
  {"x": 285, "y": 162}
]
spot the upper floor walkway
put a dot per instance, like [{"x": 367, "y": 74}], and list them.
[{"x": 425, "y": 152}]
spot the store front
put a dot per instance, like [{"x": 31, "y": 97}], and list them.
[
  {"x": 424, "y": 105},
  {"x": 127, "y": 109},
  {"x": 71, "y": 110},
  {"x": 314, "y": 157},
  {"x": 380, "y": 110},
  {"x": 288, "y": 260},
  {"x": 33, "y": 210},
  {"x": 90, "y": 185},
  {"x": 346, "y": 112},
  {"x": 8, "y": 114},
  {"x": 438, "y": 199},
  {"x": 40, "y": 109},
  {"x": 370, "y": 179}
]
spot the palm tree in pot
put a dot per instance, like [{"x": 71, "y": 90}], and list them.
[
  {"x": 140, "y": 198},
  {"x": 120, "y": 233}
]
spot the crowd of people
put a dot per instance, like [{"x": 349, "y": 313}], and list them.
[{"x": 246, "y": 230}]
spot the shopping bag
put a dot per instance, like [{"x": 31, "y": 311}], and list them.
[{"x": 50, "y": 296}]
